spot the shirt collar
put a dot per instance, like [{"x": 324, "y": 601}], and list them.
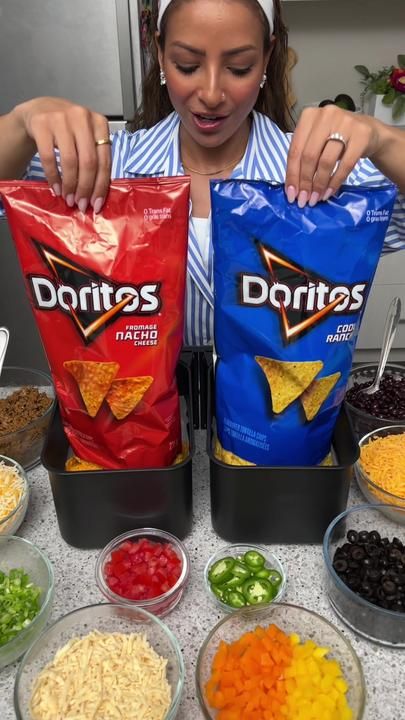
[{"x": 157, "y": 151}]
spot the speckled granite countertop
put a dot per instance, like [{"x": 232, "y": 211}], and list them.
[{"x": 196, "y": 615}]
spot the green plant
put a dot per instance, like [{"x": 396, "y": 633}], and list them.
[{"x": 389, "y": 82}]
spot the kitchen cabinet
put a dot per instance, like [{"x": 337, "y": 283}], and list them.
[
  {"x": 389, "y": 281},
  {"x": 330, "y": 37}
]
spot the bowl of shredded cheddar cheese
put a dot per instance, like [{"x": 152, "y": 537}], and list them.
[
  {"x": 14, "y": 495},
  {"x": 380, "y": 470},
  {"x": 102, "y": 661}
]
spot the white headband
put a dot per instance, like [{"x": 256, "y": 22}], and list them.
[{"x": 266, "y": 5}]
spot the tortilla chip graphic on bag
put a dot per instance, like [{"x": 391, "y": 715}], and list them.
[
  {"x": 228, "y": 457},
  {"x": 314, "y": 397},
  {"x": 287, "y": 380},
  {"x": 328, "y": 460},
  {"x": 182, "y": 456},
  {"x": 94, "y": 380},
  {"x": 126, "y": 393},
  {"x": 75, "y": 464}
]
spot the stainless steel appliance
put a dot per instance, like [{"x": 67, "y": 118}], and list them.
[{"x": 90, "y": 51}]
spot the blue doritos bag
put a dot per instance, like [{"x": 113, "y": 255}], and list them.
[{"x": 291, "y": 287}]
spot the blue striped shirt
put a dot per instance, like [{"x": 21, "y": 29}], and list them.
[{"x": 157, "y": 152}]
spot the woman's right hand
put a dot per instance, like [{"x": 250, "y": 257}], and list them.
[{"x": 72, "y": 129}]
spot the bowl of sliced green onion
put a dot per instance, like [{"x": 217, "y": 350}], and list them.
[
  {"x": 244, "y": 575},
  {"x": 26, "y": 594}
]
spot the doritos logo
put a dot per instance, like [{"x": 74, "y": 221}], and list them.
[
  {"x": 301, "y": 298},
  {"x": 91, "y": 301}
]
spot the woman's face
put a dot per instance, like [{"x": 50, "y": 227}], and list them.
[{"x": 214, "y": 62}]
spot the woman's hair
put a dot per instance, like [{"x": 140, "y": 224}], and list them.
[{"x": 272, "y": 98}]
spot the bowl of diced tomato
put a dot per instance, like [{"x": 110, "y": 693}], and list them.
[
  {"x": 242, "y": 575},
  {"x": 278, "y": 661},
  {"x": 146, "y": 568}
]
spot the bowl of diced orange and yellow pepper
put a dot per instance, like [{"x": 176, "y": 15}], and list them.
[{"x": 279, "y": 662}]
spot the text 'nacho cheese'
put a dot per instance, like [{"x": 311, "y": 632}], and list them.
[
  {"x": 107, "y": 292},
  {"x": 291, "y": 287}
]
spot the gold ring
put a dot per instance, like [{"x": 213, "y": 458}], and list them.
[{"x": 106, "y": 141}]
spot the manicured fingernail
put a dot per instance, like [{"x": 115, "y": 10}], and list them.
[
  {"x": 313, "y": 199},
  {"x": 328, "y": 193},
  {"x": 70, "y": 200},
  {"x": 302, "y": 199},
  {"x": 57, "y": 189},
  {"x": 83, "y": 203},
  {"x": 98, "y": 204},
  {"x": 291, "y": 193}
]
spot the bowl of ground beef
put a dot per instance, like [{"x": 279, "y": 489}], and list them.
[{"x": 26, "y": 402}]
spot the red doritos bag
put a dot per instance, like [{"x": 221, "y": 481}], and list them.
[{"x": 107, "y": 293}]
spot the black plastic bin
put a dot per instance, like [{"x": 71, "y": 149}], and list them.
[
  {"x": 279, "y": 504},
  {"x": 94, "y": 507}
]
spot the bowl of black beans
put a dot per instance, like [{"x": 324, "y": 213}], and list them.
[
  {"x": 364, "y": 554},
  {"x": 385, "y": 407}
]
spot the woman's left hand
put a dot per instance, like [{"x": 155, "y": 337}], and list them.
[{"x": 312, "y": 158}]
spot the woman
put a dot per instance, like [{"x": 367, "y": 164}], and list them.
[{"x": 214, "y": 106}]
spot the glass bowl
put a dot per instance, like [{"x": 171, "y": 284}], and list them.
[
  {"x": 291, "y": 619},
  {"x": 15, "y": 552},
  {"x": 162, "y": 604},
  {"x": 363, "y": 422},
  {"x": 235, "y": 551},
  {"x": 373, "y": 622},
  {"x": 373, "y": 492},
  {"x": 25, "y": 444},
  {"x": 10, "y": 523},
  {"x": 106, "y": 618}
]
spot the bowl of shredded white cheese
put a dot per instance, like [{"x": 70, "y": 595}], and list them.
[
  {"x": 14, "y": 494},
  {"x": 102, "y": 661}
]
